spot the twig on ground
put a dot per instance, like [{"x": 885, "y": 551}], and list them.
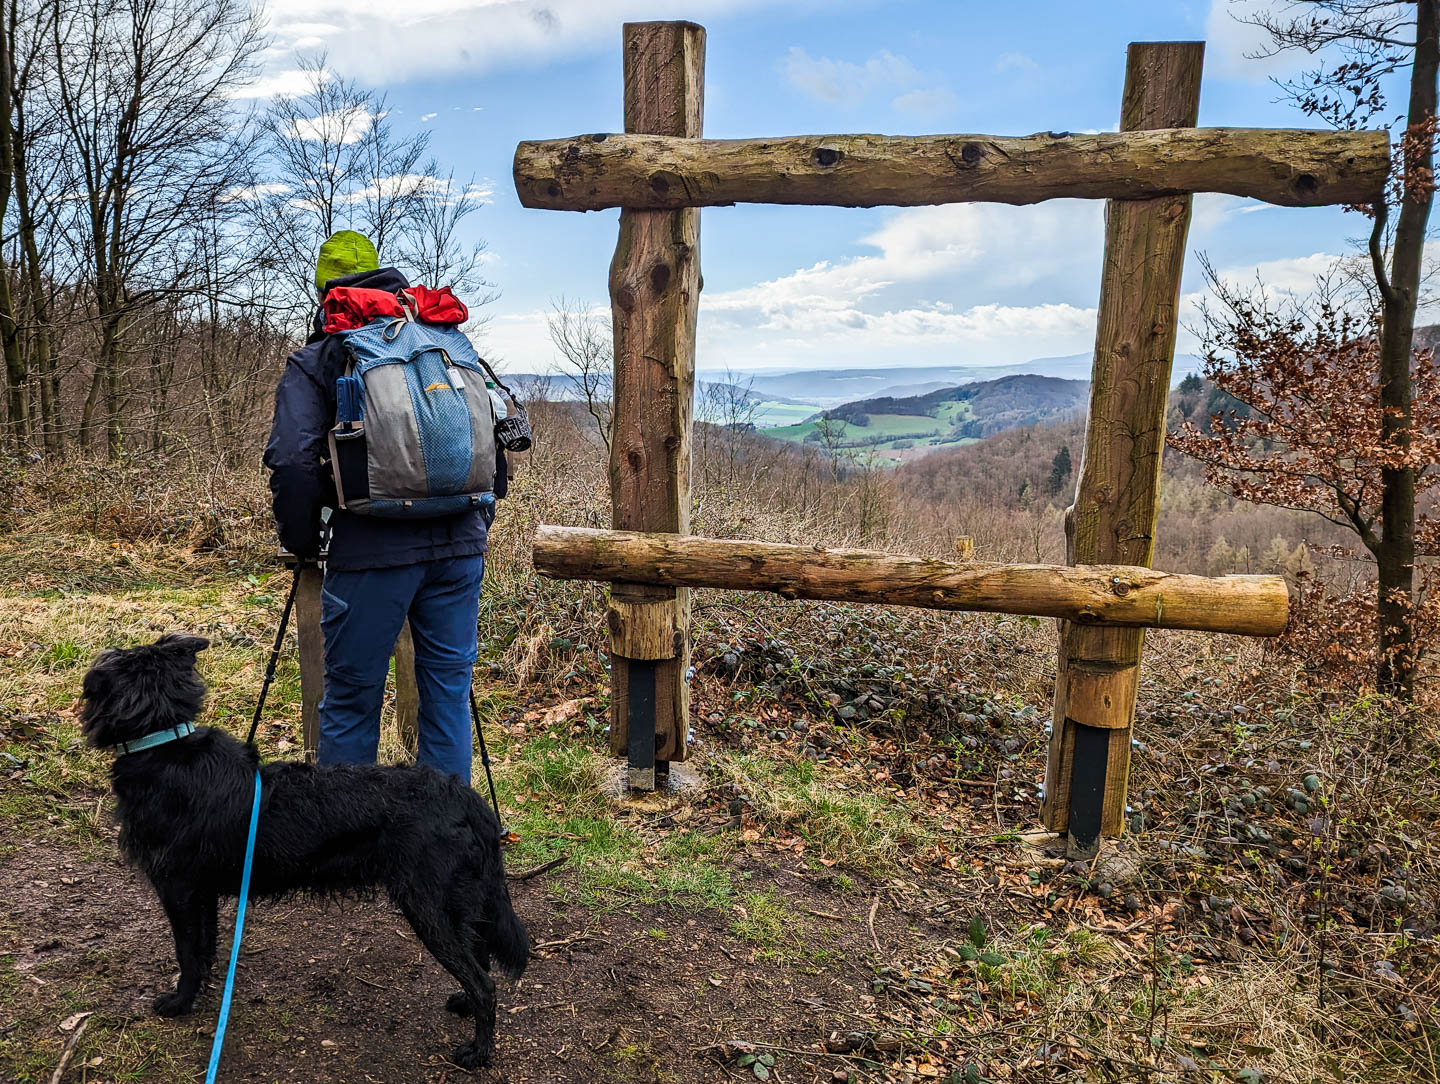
[
  {"x": 870, "y": 921},
  {"x": 539, "y": 1008},
  {"x": 546, "y": 868},
  {"x": 565, "y": 941},
  {"x": 69, "y": 1051}
]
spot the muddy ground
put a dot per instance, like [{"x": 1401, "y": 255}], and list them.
[{"x": 344, "y": 992}]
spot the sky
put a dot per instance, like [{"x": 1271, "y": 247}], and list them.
[{"x": 802, "y": 287}]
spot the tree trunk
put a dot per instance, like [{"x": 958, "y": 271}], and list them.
[
  {"x": 92, "y": 404},
  {"x": 1396, "y": 556},
  {"x": 42, "y": 362},
  {"x": 17, "y": 392},
  {"x": 17, "y": 376},
  {"x": 110, "y": 361}
]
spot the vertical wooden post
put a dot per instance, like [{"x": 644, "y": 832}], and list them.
[
  {"x": 312, "y": 655},
  {"x": 1117, "y": 497},
  {"x": 654, "y": 296},
  {"x": 407, "y": 694}
]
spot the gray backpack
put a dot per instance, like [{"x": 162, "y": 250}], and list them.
[{"x": 414, "y": 432}]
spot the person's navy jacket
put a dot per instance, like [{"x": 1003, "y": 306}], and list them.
[{"x": 301, "y": 483}]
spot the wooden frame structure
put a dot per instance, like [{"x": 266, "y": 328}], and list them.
[{"x": 660, "y": 172}]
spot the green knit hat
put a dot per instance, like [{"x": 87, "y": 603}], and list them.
[{"x": 345, "y": 253}]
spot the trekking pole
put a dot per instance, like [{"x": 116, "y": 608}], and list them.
[
  {"x": 274, "y": 655},
  {"x": 484, "y": 754}
]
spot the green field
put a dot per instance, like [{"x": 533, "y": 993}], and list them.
[
  {"x": 885, "y": 430},
  {"x": 781, "y": 414}
]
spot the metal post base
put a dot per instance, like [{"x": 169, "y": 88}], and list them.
[
  {"x": 641, "y": 727},
  {"x": 1087, "y": 789}
]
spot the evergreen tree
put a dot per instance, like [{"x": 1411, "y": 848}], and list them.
[{"x": 1060, "y": 469}]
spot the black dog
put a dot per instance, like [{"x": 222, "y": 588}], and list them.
[{"x": 184, "y": 809}]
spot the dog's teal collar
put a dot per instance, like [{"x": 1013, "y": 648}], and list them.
[{"x": 160, "y": 737}]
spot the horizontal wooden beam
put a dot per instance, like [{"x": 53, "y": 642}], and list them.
[
  {"x": 1291, "y": 167},
  {"x": 1117, "y": 595}
]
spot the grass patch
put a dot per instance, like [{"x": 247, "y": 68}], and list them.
[
  {"x": 556, "y": 795},
  {"x": 862, "y": 831},
  {"x": 764, "y": 920},
  {"x": 556, "y": 770}
]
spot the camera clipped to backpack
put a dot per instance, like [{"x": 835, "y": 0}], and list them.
[{"x": 512, "y": 432}]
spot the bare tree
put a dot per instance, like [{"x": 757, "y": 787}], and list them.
[
  {"x": 729, "y": 407},
  {"x": 30, "y": 125},
  {"x": 1376, "y": 40},
  {"x": 431, "y": 244},
  {"x": 830, "y": 432},
  {"x": 330, "y": 160},
  {"x": 145, "y": 91},
  {"x": 333, "y": 159},
  {"x": 585, "y": 341}
]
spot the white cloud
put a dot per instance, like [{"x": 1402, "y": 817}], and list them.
[
  {"x": 847, "y": 84},
  {"x": 934, "y": 102},
  {"x": 255, "y": 191},
  {"x": 1015, "y": 62},
  {"x": 519, "y": 342},
  {"x": 428, "y": 116},
  {"x": 999, "y": 269},
  {"x": 282, "y": 81},
  {"x": 344, "y": 126},
  {"x": 442, "y": 189},
  {"x": 842, "y": 83},
  {"x": 1231, "y": 42},
  {"x": 436, "y": 37},
  {"x": 1001, "y": 247}
]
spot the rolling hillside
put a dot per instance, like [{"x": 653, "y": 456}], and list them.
[{"x": 897, "y": 429}]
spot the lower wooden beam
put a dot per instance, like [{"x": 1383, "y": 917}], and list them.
[{"x": 1095, "y": 595}]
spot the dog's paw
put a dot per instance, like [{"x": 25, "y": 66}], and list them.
[
  {"x": 460, "y": 1004},
  {"x": 172, "y": 1004},
  {"x": 472, "y": 1055}
]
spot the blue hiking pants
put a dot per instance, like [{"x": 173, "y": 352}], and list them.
[{"x": 361, "y": 613}]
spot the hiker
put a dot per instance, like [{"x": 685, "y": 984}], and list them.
[{"x": 378, "y": 570}]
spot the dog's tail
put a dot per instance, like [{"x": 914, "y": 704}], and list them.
[{"x": 509, "y": 943}]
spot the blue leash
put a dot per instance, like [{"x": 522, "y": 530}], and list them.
[{"x": 219, "y": 1042}]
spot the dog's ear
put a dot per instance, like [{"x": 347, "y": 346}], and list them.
[{"x": 181, "y": 643}]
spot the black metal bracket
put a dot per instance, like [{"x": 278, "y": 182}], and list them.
[
  {"x": 640, "y": 728},
  {"x": 1087, "y": 788}
]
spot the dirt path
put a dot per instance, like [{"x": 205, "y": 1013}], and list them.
[{"x": 331, "y": 992}]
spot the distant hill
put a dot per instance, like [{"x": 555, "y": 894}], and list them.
[{"x": 901, "y": 428}]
